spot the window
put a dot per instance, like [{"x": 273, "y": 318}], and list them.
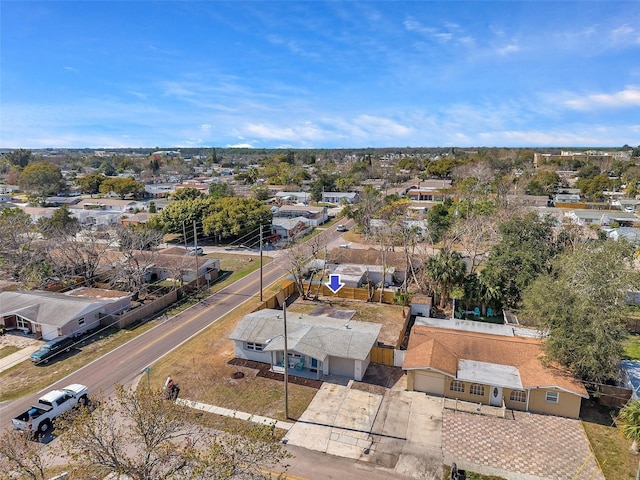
[
  {"x": 552, "y": 397},
  {"x": 477, "y": 389},
  {"x": 81, "y": 321},
  {"x": 518, "y": 396},
  {"x": 255, "y": 346},
  {"x": 456, "y": 386}
]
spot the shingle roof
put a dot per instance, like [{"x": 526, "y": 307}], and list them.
[
  {"x": 441, "y": 349},
  {"x": 47, "y": 308},
  {"x": 317, "y": 337}
]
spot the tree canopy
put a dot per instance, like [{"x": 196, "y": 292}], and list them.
[
  {"x": 122, "y": 187},
  {"x": 90, "y": 183},
  {"x": 235, "y": 216},
  {"x": 523, "y": 252},
  {"x": 42, "y": 179},
  {"x": 581, "y": 301}
]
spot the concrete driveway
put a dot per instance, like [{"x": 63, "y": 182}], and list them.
[{"x": 395, "y": 430}]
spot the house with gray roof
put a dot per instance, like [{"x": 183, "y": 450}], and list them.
[
  {"x": 316, "y": 345},
  {"x": 49, "y": 315}
]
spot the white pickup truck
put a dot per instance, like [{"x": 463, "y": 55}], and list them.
[{"x": 39, "y": 418}]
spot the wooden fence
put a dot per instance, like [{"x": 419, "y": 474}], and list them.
[
  {"x": 287, "y": 288},
  {"x": 382, "y": 355},
  {"x": 352, "y": 293}
]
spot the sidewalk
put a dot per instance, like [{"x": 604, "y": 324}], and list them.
[
  {"x": 15, "y": 358},
  {"x": 234, "y": 414}
]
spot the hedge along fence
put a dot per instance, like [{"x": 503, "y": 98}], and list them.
[{"x": 352, "y": 293}]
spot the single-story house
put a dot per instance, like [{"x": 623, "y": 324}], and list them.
[
  {"x": 316, "y": 215},
  {"x": 139, "y": 218},
  {"x": 49, "y": 315},
  {"x": 317, "y": 345},
  {"x": 491, "y": 369},
  {"x": 339, "y": 197},
  {"x": 356, "y": 275},
  {"x": 293, "y": 197},
  {"x": 630, "y": 234},
  {"x": 159, "y": 266},
  {"x": 595, "y": 217},
  {"x": 290, "y": 228},
  {"x": 108, "y": 205}
]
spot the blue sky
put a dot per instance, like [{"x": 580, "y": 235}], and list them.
[{"x": 319, "y": 74}]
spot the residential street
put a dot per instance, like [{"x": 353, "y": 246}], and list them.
[{"x": 125, "y": 363}]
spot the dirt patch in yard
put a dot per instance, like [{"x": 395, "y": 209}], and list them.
[
  {"x": 264, "y": 370},
  {"x": 204, "y": 372},
  {"x": 391, "y": 317}
]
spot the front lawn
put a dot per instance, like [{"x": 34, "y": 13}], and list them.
[
  {"x": 611, "y": 448},
  {"x": 632, "y": 347}
]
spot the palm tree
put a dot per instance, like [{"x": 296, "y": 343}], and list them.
[
  {"x": 446, "y": 270},
  {"x": 629, "y": 417}
]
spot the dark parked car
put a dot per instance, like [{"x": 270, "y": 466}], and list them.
[{"x": 51, "y": 348}]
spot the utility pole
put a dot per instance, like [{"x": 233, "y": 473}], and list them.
[
  {"x": 184, "y": 235},
  {"x": 286, "y": 363},
  {"x": 195, "y": 251},
  {"x": 261, "y": 262}
]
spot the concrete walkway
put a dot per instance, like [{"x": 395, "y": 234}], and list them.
[
  {"x": 18, "y": 357},
  {"x": 234, "y": 414}
]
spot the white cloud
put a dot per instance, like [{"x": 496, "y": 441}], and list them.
[
  {"x": 452, "y": 33},
  {"x": 298, "y": 133},
  {"x": 239, "y": 145},
  {"x": 508, "y": 49},
  {"x": 627, "y": 98}
]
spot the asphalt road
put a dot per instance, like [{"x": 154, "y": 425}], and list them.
[{"x": 125, "y": 363}]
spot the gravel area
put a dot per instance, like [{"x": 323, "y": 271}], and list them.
[{"x": 16, "y": 340}]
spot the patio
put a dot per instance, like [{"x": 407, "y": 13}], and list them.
[{"x": 309, "y": 373}]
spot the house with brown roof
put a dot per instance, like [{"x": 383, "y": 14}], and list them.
[{"x": 490, "y": 369}]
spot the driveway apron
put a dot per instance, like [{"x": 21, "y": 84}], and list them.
[{"x": 522, "y": 446}]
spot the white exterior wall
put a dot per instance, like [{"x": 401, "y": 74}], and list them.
[
  {"x": 241, "y": 352},
  {"x": 360, "y": 368}
]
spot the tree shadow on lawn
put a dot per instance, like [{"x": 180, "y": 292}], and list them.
[{"x": 592, "y": 412}]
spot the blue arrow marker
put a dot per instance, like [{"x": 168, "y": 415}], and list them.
[{"x": 334, "y": 283}]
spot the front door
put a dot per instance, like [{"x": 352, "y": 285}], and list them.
[{"x": 496, "y": 396}]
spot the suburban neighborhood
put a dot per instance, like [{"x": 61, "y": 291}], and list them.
[{"x": 423, "y": 321}]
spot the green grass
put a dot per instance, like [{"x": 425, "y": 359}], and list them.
[
  {"x": 8, "y": 350},
  {"x": 632, "y": 347},
  {"x": 610, "y": 447}
]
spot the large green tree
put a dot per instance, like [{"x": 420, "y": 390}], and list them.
[
  {"x": 41, "y": 179},
  {"x": 524, "y": 250},
  {"x": 61, "y": 224},
  {"x": 122, "y": 187},
  {"x": 90, "y": 183},
  {"x": 179, "y": 215},
  {"x": 188, "y": 193},
  {"x": 445, "y": 270},
  {"x": 235, "y": 216},
  {"x": 543, "y": 183},
  {"x": 221, "y": 190},
  {"x": 20, "y": 157},
  {"x": 581, "y": 302}
]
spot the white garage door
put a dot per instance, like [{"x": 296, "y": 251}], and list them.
[
  {"x": 49, "y": 332},
  {"x": 341, "y": 366},
  {"x": 428, "y": 382}
]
